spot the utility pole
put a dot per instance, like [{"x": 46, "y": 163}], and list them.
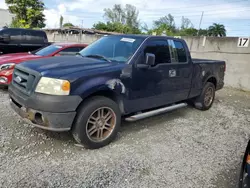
[
  {"x": 82, "y": 23},
  {"x": 200, "y": 22}
]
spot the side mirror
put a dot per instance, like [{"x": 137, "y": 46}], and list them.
[{"x": 150, "y": 59}]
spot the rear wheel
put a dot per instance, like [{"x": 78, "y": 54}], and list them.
[
  {"x": 206, "y": 99},
  {"x": 97, "y": 123}
]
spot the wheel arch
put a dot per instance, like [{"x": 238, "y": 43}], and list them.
[
  {"x": 108, "y": 93},
  {"x": 211, "y": 79}
]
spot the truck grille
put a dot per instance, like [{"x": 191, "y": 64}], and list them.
[{"x": 23, "y": 80}]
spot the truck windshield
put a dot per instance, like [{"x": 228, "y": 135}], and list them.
[
  {"x": 48, "y": 50},
  {"x": 113, "y": 48}
]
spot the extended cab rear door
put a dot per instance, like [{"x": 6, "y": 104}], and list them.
[
  {"x": 179, "y": 71},
  {"x": 166, "y": 82}
]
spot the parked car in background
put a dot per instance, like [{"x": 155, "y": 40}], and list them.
[
  {"x": 8, "y": 61},
  {"x": 130, "y": 76},
  {"x": 244, "y": 181},
  {"x": 14, "y": 40}
]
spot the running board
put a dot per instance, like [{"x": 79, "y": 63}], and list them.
[{"x": 155, "y": 112}]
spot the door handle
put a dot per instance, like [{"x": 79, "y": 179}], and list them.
[{"x": 172, "y": 73}]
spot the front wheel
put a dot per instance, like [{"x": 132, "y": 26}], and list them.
[
  {"x": 206, "y": 99},
  {"x": 97, "y": 123}
]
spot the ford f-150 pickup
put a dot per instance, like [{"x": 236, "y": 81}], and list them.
[{"x": 130, "y": 76}]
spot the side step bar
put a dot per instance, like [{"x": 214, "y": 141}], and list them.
[{"x": 155, "y": 112}]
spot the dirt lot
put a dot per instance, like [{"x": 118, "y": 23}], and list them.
[{"x": 185, "y": 148}]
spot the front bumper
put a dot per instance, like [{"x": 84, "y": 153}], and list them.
[{"x": 54, "y": 113}]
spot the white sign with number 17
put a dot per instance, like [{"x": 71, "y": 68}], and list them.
[{"x": 243, "y": 42}]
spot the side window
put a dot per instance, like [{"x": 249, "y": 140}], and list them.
[
  {"x": 27, "y": 36},
  {"x": 178, "y": 52},
  {"x": 41, "y": 36},
  {"x": 11, "y": 32},
  {"x": 160, "y": 49},
  {"x": 15, "y": 35},
  {"x": 32, "y": 36},
  {"x": 70, "y": 51}
]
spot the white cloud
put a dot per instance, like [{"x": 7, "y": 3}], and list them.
[
  {"x": 53, "y": 16},
  {"x": 3, "y": 4},
  {"x": 62, "y": 9}
]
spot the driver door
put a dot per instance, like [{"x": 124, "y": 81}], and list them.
[{"x": 147, "y": 86}]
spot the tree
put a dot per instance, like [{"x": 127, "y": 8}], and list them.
[
  {"x": 116, "y": 14},
  {"x": 162, "y": 29},
  {"x": 61, "y": 21},
  {"x": 116, "y": 27},
  {"x": 186, "y": 23},
  {"x": 127, "y": 15},
  {"x": 188, "y": 32},
  {"x": 203, "y": 32},
  {"x": 167, "y": 21},
  {"x": 217, "y": 30},
  {"x": 131, "y": 16},
  {"x": 28, "y": 13},
  {"x": 68, "y": 25},
  {"x": 120, "y": 19},
  {"x": 101, "y": 26}
]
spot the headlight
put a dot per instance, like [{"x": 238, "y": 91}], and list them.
[
  {"x": 53, "y": 86},
  {"x": 7, "y": 66}
]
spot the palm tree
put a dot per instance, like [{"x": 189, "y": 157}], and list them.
[{"x": 217, "y": 30}]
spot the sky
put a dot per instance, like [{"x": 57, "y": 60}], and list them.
[{"x": 234, "y": 14}]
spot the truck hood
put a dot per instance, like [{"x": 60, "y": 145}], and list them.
[
  {"x": 17, "y": 58},
  {"x": 57, "y": 67}
]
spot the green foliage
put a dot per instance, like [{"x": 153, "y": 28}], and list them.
[
  {"x": 116, "y": 27},
  {"x": 162, "y": 29},
  {"x": 116, "y": 14},
  {"x": 125, "y": 20},
  {"x": 188, "y": 32},
  {"x": 68, "y": 25},
  {"x": 165, "y": 21},
  {"x": 127, "y": 15},
  {"x": 217, "y": 30},
  {"x": 166, "y": 25},
  {"x": 186, "y": 23},
  {"x": 28, "y": 13},
  {"x": 121, "y": 20},
  {"x": 203, "y": 32}
]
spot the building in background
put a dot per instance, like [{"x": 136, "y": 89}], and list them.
[{"x": 6, "y": 18}]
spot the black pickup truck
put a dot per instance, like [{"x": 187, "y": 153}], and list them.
[
  {"x": 117, "y": 76},
  {"x": 14, "y": 40}
]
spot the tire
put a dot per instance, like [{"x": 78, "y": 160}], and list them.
[
  {"x": 91, "y": 122},
  {"x": 203, "y": 103}
]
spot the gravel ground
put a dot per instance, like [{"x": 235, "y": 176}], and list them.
[{"x": 184, "y": 148}]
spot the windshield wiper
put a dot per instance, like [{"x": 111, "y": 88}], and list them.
[{"x": 98, "y": 57}]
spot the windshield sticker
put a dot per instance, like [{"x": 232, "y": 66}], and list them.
[
  {"x": 128, "y": 40},
  {"x": 59, "y": 47}
]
